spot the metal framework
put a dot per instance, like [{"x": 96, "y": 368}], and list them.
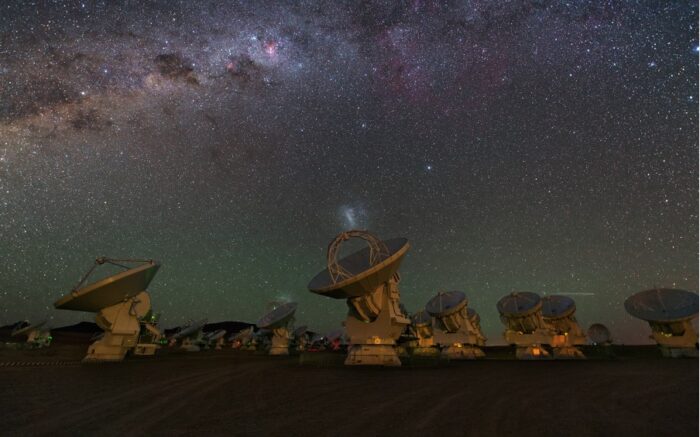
[
  {"x": 377, "y": 252},
  {"x": 104, "y": 260}
]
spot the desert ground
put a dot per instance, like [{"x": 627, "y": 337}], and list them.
[{"x": 634, "y": 392}]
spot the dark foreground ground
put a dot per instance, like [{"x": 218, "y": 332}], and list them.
[{"x": 239, "y": 393}]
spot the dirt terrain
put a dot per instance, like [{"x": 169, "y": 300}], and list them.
[{"x": 242, "y": 393}]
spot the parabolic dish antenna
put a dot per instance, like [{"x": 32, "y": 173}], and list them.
[
  {"x": 278, "y": 321},
  {"x": 421, "y": 319},
  {"x": 520, "y": 304},
  {"x": 26, "y": 328},
  {"x": 454, "y": 332},
  {"x": 663, "y": 305},
  {"x": 193, "y": 329},
  {"x": 444, "y": 304},
  {"x": 558, "y": 312},
  {"x": 556, "y": 306},
  {"x": 599, "y": 334},
  {"x": 521, "y": 313},
  {"x": 669, "y": 313},
  {"x": 368, "y": 279},
  {"x": 278, "y": 316},
  {"x": 109, "y": 291},
  {"x": 361, "y": 272},
  {"x": 215, "y": 338},
  {"x": 36, "y": 336},
  {"x": 422, "y": 323},
  {"x": 120, "y": 301}
]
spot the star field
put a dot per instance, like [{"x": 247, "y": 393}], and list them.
[{"x": 542, "y": 146}]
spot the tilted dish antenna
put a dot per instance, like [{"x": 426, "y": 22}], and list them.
[
  {"x": 36, "y": 336},
  {"x": 422, "y": 325},
  {"x": 119, "y": 300},
  {"x": 191, "y": 337},
  {"x": 521, "y": 313},
  {"x": 279, "y": 321},
  {"x": 240, "y": 339},
  {"x": 215, "y": 339},
  {"x": 599, "y": 334},
  {"x": 368, "y": 279},
  {"x": 558, "y": 311},
  {"x": 669, "y": 313},
  {"x": 454, "y": 333}
]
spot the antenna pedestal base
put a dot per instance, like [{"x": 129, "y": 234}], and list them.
[
  {"x": 280, "y": 341},
  {"x": 111, "y": 347},
  {"x": 374, "y": 343},
  {"x": 677, "y": 346},
  {"x": 372, "y": 355},
  {"x": 462, "y": 352},
  {"x": 121, "y": 325},
  {"x": 458, "y": 345},
  {"x": 427, "y": 351},
  {"x": 531, "y": 352}
]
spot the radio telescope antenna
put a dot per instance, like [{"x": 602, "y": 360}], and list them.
[
  {"x": 36, "y": 336},
  {"x": 599, "y": 335},
  {"x": 669, "y": 313},
  {"x": 214, "y": 339},
  {"x": 190, "y": 337},
  {"x": 120, "y": 301},
  {"x": 453, "y": 329},
  {"x": 558, "y": 311},
  {"x": 279, "y": 322},
  {"x": 422, "y": 325},
  {"x": 368, "y": 279},
  {"x": 521, "y": 313}
]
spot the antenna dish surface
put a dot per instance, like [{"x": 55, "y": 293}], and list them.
[
  {"x": 421, "y": 318},
  {"x": 598, "y": 333},
  {"x": 519, "y": 304},
  {"x": 444, "y": 304},
  {"x": 278, "y": 316},
  {"x": 190, "y": 330},
  {"x": 109, "y": 291},
  {"x": 364, "y": 276},
  {"x": 19, "y": 330},
  {"x": 557, "y": 306},
  {"x": 663, "y": 305}
]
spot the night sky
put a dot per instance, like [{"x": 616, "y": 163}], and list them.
[{"x": 542, "y": 146}]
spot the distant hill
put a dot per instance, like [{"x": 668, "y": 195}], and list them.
[{"x": 82, "y": 327}]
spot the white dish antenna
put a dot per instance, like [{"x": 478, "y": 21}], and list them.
[
  {"x": 599, "y": 334},
  {"x": 422, "y": 326},
  {"x": 453, "y": 329},
  {"x": 36, "y": 336},
  {"x": 119, "y": 300},
  {"x": 558, "y": 312},
  {"x": 368, "y": 279},
  {"x": 669, "y": 313},
  {"x": 278, "y": 321},
  {"x": 521, "y": 313}
]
